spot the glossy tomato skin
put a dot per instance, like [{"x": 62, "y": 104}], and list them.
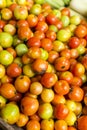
[
  {"x": 29, "y": 105},
  {"x": 62, "y": 64},
  {"x": 74, "y": 42}
]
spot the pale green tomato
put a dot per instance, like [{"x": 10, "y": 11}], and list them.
[
  {"x": 81, "y": 49},
  {"x": 65, "y": 20},
  {"x": 10, "y": 113},
  {"x": 71, "y": 118},
  {"x": 2, "y": 4},
  {"x": 63, "y": 35},
  {"x": 57, "y": 13},
  {"x": 75, "y": 19},
  {"x": 5, "y": 57},
  {"x": 45, "y": 111},
  {"x": 44, "y": 54},
  {"x": 27, "y": 70},
  {"x": 71, "y": 105},
  {"x": 2, "y": 101},
  {"x": 6, "y": 39},
  {"x": 21, "y": 49},
  {"x": 9, "y": 28},
  {"x": 72, "y": 27},
  {"x": 20, "y": 12},
  {"x": 53, "y": 28},
  {"x": 36, "y": 9}
]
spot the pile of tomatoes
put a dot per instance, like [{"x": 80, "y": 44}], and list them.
[{"x": 43, "y": 66}]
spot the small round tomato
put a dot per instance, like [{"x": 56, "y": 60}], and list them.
[
  {"x": 34, "y": 41},
  {"x": 52, "y": 56},
  {"x": 6, "y": 14},
  {"x": 32, "y": 20},
  {"x": 62, "y": 64},
  {"x": 82, "y": 123},
  {"x": 48, "y": 80},
  {"x": 81, "y": 31},
  {"x": 71, "y": 128},
  {"x": 7, "y": 90},
  {"x": 42, "y": 26},
  {"x": 29, "y": 105},
  {"x": 24, "y": 33},
  {"x": 66, "y": 75},
  {"x": 2, "y": 71},
  {"x": 33, "y": 125},
  {"x": 74, "y": 42},
  {"x": 58, "y": 99},
  {"x": 14, "y": 70},
  {"x": 2, "y": 24},
  {"x": 61, "y": 111},
  {"x": 22, "y": 83},
  {"x": 40, "y": 66},
  {"x": 65, "y": 11},
  {"x": 39, "y": 34},
  {"x": 12, "y": 51},
  {"x": 22, "y": 23},
  {"x": 76, "y": 81},
  {"x": 76, "y": 93},
  {"x": 61, "y": 87},
  {"x": 51, "y": 35},
  {"x": 46, "y": 44},
  {"x": 74, "y": 53},
  {"x": 66, "y": 53},
  {"x": 60, "y": 125}
]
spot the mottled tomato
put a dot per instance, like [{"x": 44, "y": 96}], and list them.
[
  {"x": 61, "y": 87},
  {"x": 14, "y": 70},
  {"x": 22, "y": 83},
  {"x": 7, "y": 90},
  {"x": 61, "y": 111},
  {"x": 29, "y": 105},
  {"x": 48, "y": 80},
  {"x": 40, "y": 66},
  {"x": 65, "y": 11},
  {"x": 62, "y": 64},
  {"x": 81, "y": 31},
  {"x": 76, "y": 93},
  {"x": 34, "y": 41}
]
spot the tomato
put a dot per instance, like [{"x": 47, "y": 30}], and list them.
[
  {"x": 66, "y": 53},
  {"x": 76, "y": 93},
  {"x": 51, "y": 35},
  {"x": 47, "y": 124},
  {"x": 33, "y": 125},
  {"x": 22, "y": 83},
  {"x": 71, "y": 128},
  {"x": 2, "y": 71},
  {"x": 61, "y": 87},
  {"x": 2, "y": 24},
  {"x": 82, "y": 122},
  {"x": 52, "y": 56},
  {"x": 6, "y": 14},
  {"x": 81, "y": 31},
  {"x": 74, "y": 42},
  {"x": 39, "y": 34},
  {"x": 7, "y": 90},
  {"x": 32, "y": 20},
  {"x": 65, "y": 11},
  {"x": 62, "y": 64},
  {"x": 61, "y": 111},
  {"x": 29, "y": 105},
  {"x": 22, "y": 23},
  {"x": 58, "y": 99},
  {"x": 60, "y": 125},
  {"x": 48, "y": 80}
]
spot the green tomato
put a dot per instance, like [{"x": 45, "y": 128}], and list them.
[
  {"x": 44, "y": 54},
  {"x": 57, "y": 13},
  {"x": 5, "y": 57},
  {"x": 2, "y": 4},
  {"x": 81, "y": 49},
  {"x": 53, "y": 28},
  {"x": 6, "y": 39},
  {"x": 63, "y": 35},
  {"x": 2, "y": 101},
  {"x": 21, "y": 49},
  {"x": 39, "y": 1},
  {"x": 16, "y": 40},
  {"x": 75, "y": 19},
  {"x": 10, "y": 113},
  {"x": 20, "y": 12},
  {"x": 45, "y": 111},
  {"x": 36, "y": 9},
  {"x": 65, "y": 20}
]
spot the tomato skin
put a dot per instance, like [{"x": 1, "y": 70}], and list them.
[
  {"x": 62, "y": 64},
  {"x": 82, "y": 123},
  {"x": 14, "y": 70},
  {"x": 33, "y": 125},
  {"x": 61, "y": 111},
  {"x": 51, "y": 18},
  {"x": 60, "y": 125},
  {"x": 29, "y": 105},
  {"x": 76, "y": 93},
  {"x": 32, "y": 20},
  {"x": 61, "y": 87},
  {"x": 74, "y": 42}
]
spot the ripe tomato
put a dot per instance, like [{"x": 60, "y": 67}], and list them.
[
  {"x": 22, "y": 23},
  {"x": 82, "y": 122},
  {"x": 61, "y": 87},
  {"x": 51, "y": 35},
  {"x": 76, "y": 93},
  {"x": 48, "y": 80},
  {"x": 81, "y": 31},
  {"x": 32, "y": 20},
  {"x": 12, "y": 51},
  {"x": 7, "y": 90},
  {"x": 52, "y": 56},
  {"x": 33, "y": 125},
  {"x": 74, "y": 42},
  {"x": 14, "y": 70},
  {"x": 22, "y": 83},
  {"x": 60, "y": 125},
  {"x": 58, "y": 99},
  {"x": 62, "y": 64},
  {"x": 29, "y": 105},
  {"x": 61, "y": 111}
]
